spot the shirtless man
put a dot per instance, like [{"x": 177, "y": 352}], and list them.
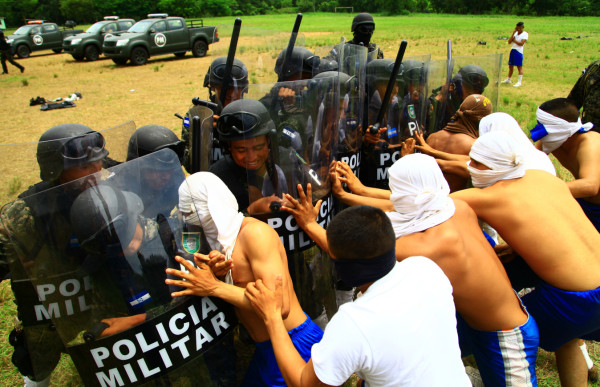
[
  {"x": 252, "y": 251},
  {"x": 535, "y": 213},
  {"x": 560, "y": 132},
  {"x": 460, "y": 133},
  {"x": 427, "y": 222}
]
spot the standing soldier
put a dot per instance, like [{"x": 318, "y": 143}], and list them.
[
  {"x": 65, "y": 153},
  {"x": 7, "y": 55}
]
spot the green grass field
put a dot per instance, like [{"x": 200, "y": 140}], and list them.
[{"x": 150, "y": 94}]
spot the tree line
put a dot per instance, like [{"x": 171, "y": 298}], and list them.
[{"x": 89, "y": 11}]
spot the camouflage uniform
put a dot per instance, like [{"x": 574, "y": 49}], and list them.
[
  {"x": 586, "y": 94},
  {"x": 24, "y": 238}
]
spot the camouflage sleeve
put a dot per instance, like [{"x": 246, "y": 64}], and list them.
[
  {"x": 17, "y": 227},
  {"x": 576, "y": 94},
  {"x": 379, "y": 53}
]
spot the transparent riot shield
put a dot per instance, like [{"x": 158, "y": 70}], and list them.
[
  {"x": 414, "y": 103},
  {"x": 472, "y": 75},
  {"x": 20, "y": 167},
  {"x": 97, "y": 266},
  {"x": 302, "y": 143},
  {"x": 439, "y": 75},
  {"x": 201, "y": 148}
]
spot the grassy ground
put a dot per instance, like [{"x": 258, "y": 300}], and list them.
[{"x": 150, "y": 94}]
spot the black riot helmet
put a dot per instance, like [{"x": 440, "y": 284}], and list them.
[
  {"x": 412, "y": 71},
  {"x": 301, "y": 60},
  {"x": 104, "y": 216},
  {"x": 379, "y": 72},
  {"x": 362, "y": 18},
  {"x": 216, "y": 72},
  {"x": 152, "y": 138},
  {"x": 347, "y": 83},
  {"x": 474, "y": 77},
  {"x": 66, "y": 146},
  {"x": 244, "y": 119}
]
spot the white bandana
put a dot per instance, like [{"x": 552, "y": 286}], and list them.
[
  {"x": 419, "y": 195},
  {"x": 214, "y": 208},
  {"x": 553, "y": 131},
  {"x": 533, "y": 158},
  {"x": 501, "y": 153}
]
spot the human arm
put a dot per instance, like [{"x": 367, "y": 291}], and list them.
[
  {"x": 512, "y": 36},
  {"x": 458, "y": 168},
  {"x": 217, "y": 262},
  {"x": 202, "y": 282},
  {"x": 587, "y": 177},
  {"x": 428, "y": 150},
  {"x": 120, "y": 324},
  {"x": 306, "y": 214},
  {"x": 344, "y": 174},
  {"x": 267, "y": 304}
]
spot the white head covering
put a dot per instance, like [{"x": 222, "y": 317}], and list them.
[
  {"x": 534, "y": 158},
  {"x": 214, "y": 208},
  {"x": 501, "y": 153},
  {"x": 553, "y": 131},
  {"x": 419, "y": 195}
]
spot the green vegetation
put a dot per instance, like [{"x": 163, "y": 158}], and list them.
[{"x": 151, "y": 94}]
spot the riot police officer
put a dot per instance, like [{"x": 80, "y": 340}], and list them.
[
  {"x": 30, "y": 233},
  {"x": 246, "y": 132},
  {"x": 213, "y": 80}
]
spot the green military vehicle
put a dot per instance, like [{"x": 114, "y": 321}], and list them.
[
  {"x": 160, "y": 34},
  {"x": 88, "y": 45},
  {"x": 38, "y": 35}
]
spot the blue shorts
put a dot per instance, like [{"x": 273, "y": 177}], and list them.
[
  {"x": 515, "y": 58},
  {"x": 263, "y": 369},
  {"x": 562, "y": 315},
  {"x": 592, "y": 211},
  {"x": 503, "y": 357}
]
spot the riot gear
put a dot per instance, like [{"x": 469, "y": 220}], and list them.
[
  {"x": 412, "y": 71},
  {"x": 214, "y": 75},
  {"x": 379, "y": 72},
  {"x": 151, "y": 138},
  {"x": 103, "y": 216},
  {"x": 66, "y": 146},
  {"x": 244, "y": 119},
  {"x": 362, "y": 18},
  {"x": 474, "y": 77},
  {"x": 302, "y": 60},
  {"x": 363, "y": 27}
]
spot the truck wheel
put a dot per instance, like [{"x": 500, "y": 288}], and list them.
[
  {"x": 200, "y": 48},
  {"x": 78, "y": 58},
  {"x": 119, "y": 61},
  {"x": 57, "y": 50},
  {"x": 180, "y": 54},
  {"x": 23, "y": 51},
  {"x": 92, "y": 53},
  {"x": 139, "y": 56}
]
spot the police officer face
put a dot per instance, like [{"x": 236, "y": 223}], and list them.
[
  {"x": 80, "y": 171},
  {"x": 233, "y": 94},
  {"x": 251, "y": 153}
]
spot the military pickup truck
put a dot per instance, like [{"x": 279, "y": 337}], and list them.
[
  {"x": 88, "y": 45},
  {"x": 158, "y": 35},
  {"x": 38, "y": 35}
]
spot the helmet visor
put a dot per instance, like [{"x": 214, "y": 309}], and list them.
[
  {"x": 237, "y": 124},
  {"x": 82, "y": 147}
]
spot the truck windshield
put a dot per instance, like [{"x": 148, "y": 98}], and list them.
[
  {"x": 95, "y": 28},
  {"x": 22, "y": 30},
  {"x": 141, "y": 26}
]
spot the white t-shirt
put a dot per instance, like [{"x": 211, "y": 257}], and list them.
[
  {"x": 519, "y": 38},
  {"x": 401, "y": 332}
]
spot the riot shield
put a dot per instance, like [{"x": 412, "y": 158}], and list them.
[
  {"x": 20, "y": 168},
  {"x": 102, "y": 244},
  {"x": 305, "y": 138},
  {"x": 472, "y": 75},
  {"x": 201, "y": 149},
  {"x": 438, "y": 82}
]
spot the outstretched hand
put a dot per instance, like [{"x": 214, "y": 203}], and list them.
[
  {"x": 346, "y": 175},
  {"x": 303, "y": 210},
  {"x": 199, "y": 281},
  {"x": 266, "y": 302},
  {"x": 422, "y": 144},
  {"x": 217, "y": 262},
  {"x": 408, "y": 147}
]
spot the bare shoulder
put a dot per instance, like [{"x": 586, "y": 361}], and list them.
[{"x": 256, "y": 231}]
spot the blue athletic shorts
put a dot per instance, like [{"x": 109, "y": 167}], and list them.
[
  {"x": 503, "y": 357},
  {"x": 592, "y": 211},
  {"x": 515, "y": 58},
  {"x": 562, "y": 315},
  {"x": 263, "y": 369}
]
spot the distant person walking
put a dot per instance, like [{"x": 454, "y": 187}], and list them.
[
  {"x": 7, "y": 55},
  {"x": 518, "y": 39}
]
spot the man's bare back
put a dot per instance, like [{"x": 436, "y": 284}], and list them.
[
  {"x": 258, "y": 253},
  {"x": 538, "y": 217},
  {"x": 455, "y": 143},
  {"x": 482, "y": 292}
]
